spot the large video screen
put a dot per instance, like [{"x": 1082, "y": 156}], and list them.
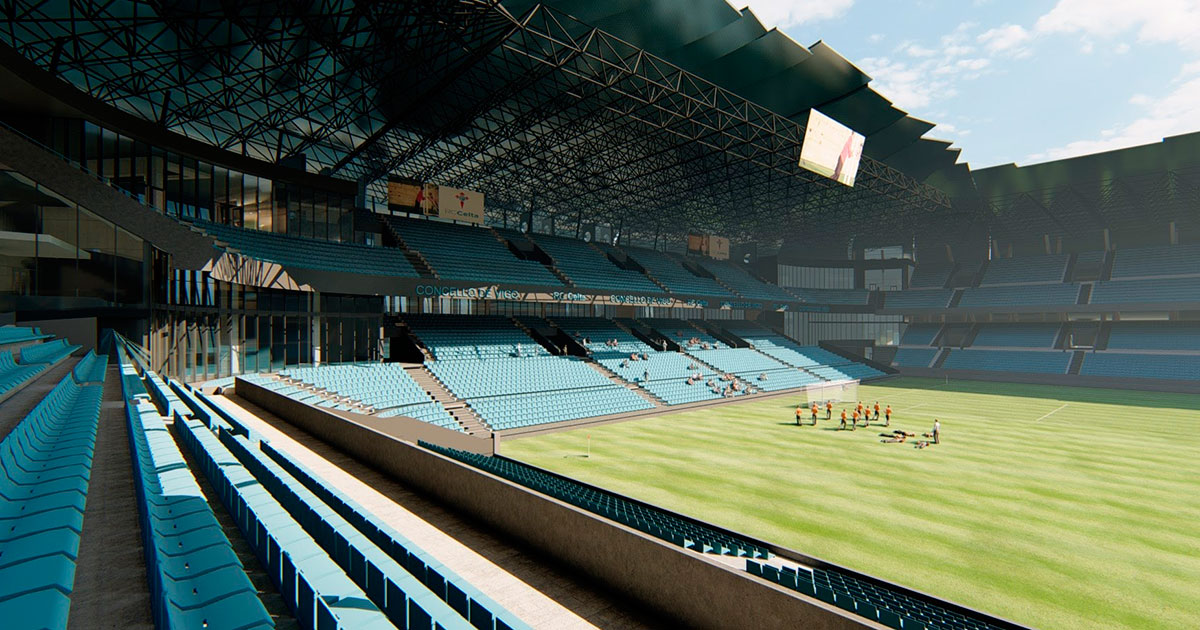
[{"x": 831, "y": 148}]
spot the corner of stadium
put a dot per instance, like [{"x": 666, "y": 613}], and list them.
[{"x": 505, "y": 315}]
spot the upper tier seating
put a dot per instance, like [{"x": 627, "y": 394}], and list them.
[
  {"x": 47, "y": 351},
  {"x": 920, "y": 334},
  {"x": 1154, "y": 336},
  {"x": 1009, "y": 361},
  {"x": 668, "y": 270},
  {"x": 848, "y": 297},
  {"x": 653, "y": 521},
  {"x": 914, "y": 357},
  {"x": 1093, "y": 257},
  {"x": 20, "y": 334},
  {"x": 307, "y": 253},
  {"x": 1146, "y": 291},
  {"x": 1021, "y": 295},
  {"x": 589, "y": 268},
  {"x": 931, "y": 276},
  {"x": 877, "y": 603},
  {"x": 45, "y": 470},
  {"x": 1017, "y": 335},
  {"x": 928, "y": 298},
  {"x": 187, "y": 553},
  {"x": 1027, "y": 270},
  {"x": 386, "y": 389},
  {"x": 1124, "y": 365},
  {"x": 597, "y": 331},
  {"x": 13, "y": 375},
  {"x": 463, "y": 252},
  {"x": 743, "y": 282},
  {"x": 452, "y": 337},
  {"x": 1145, "y": 262}
]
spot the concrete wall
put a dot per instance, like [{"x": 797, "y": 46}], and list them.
[
  {"x": 340, "y": 427},
  {"x": 696, "y": 591}
]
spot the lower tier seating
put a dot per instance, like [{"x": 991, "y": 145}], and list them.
[
  {"x": 1125, "y": 364},
  {"x": 45, "y": 471},
  {"x": 1146, "y": 291},
  {"x": 883, "y": 605},
  {"x": 1161, "y": 335},
  {"x": 20, "y": 334},
  {"x": 658, "y": 523},
  {"x": 920, "y": 334},
  {"x": 12, "y": 374},
  {"x": 914, "y": 357},
  {"x": 385, "y": 389},
  {"x": 668, "y": 374},
  {"x": 1009, "y": 361},
  {"x": 47, "y": 352},
  {"x": 1017, "y": 335},
  {"x": 756, "y": 368}
]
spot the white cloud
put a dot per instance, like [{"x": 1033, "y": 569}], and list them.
[
  {"x": 875, "y": 38},
  {"x": 1121, "y": 48},
  {"x": 1176, "y": 113},
  {"x": 916, "y": 50},
  {"x": 785, "y": 13},
  {"x": 1156, "y": 21},
  {"x": 1189, "y": 69},
  {"x": 1009, "y": 39}
]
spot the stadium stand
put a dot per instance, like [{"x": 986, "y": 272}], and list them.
[
  {"x": 13, "y": 375},
  {"x": 743, "y": 282},
  {"x": 45, "y": 471},
  {"x": 847, "y": 297},
  {"x": 305, "y": 253},
  {"x": 386, "y": 390},
  {"x": 1020, "y": 295},
  {"x": 653, "y": 521},
  {"x": 914, "y": 357},
  {"x": 1017, "y": 335},
  {"x": 928, "y": 298},
  {"x": 1128, "y": 364},
  {"x": 682, "y": 333},
  {"x": 671, "y": 273},
  {"x": 930, "y": 276},
  {"x": 460, "y": 252},
  {"x": 1155, "y": 335},
  {"x": 1149, "y": 291},
  {"x": 47, "y": 352},
  {"x": 1026, "y": 270},
  {"x": 453, "y": 337},
  {"x": 920, "y": 334},
  {"x": 1156, "y": 262},
  {"x": 886, "y": 606},
  {"x": 590, "y": 268},
  {"x": 1009, "y": 361},
  {"x": 195, "y": 577},
  {"x": 21, "y": 334},
  {"x": 752, "y": 366}
]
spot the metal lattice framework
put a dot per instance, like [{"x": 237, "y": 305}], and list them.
[{"x": 539, "y": 110}]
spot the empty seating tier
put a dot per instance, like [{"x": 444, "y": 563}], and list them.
[
  {"x": 914, "y": 357},
  {"x": 307, "y": 253},
  {"x": 920, "y": 334},
  {"x": 1126, "y": 364},
  {"x": 1009, "y": 361},
  {"x": 1149, "y": 262},
  {"x": 1021, "y": 295},
  {"x": 877, "y": 603},
  {"x": 1161, "y": 335},
  {"x": 930, "y": 276},
  {"x": 47, "y": 352},
  {"x": 20, "y": 334},
  {"x": 451, "y": 337},
  {"x": 928, "y": 298},
  {"x": 743, "y": 282},
  {"x": 846, "y": 297},
  {"x": 384, "y": 389},
  {"x": 657, "y": 523},
  {"x": 13, "y": 375},
  {"x": 669, "y": 270},
  {"x": 1146, "y": 291},
  {"x": 589, "y": 268},
  {"x": 1029, "y": 270},
  {"x": 45, "y": 470},
  {"x": 1017, "y": 335},
  {"x": 461, "y": 252}
]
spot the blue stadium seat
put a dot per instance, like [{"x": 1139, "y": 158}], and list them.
[
  {"x": 307, "y": 253},
  {"x": 1025, "y": 270}
]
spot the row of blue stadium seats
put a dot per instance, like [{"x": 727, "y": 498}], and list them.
[
  {"x": 21, "y": 334},
  {"x": 590, "y": 268},
  {"x": 1156, "y": 261},
  {"x": 669, "y": 271},
  {"x": 1017, "y": 335},
  {"x": 1049, "y": 362},
  {"x": 658, "y": 523},
  {"x": 534, "y": 408},
  {"x": 309, "y": 253},
  {"x": 1146, "y": 291},
  {"x": 47, "y": 352},
  {"x": 459, "y": 252},
  {"x": 195, "y": 577},
  {"x": 13, "y": 374},
  {"x": 45, "y": 472},
  {"x": 743, "y": 282},
  {"x": 1158, "y": 335},
  {"x": 914, "y": 357},
  {"x": 885, "y": 606},
  {"x": 1025, "y": 270},
  {"x": 926, "y": 298},
  {"x": 919, "y": 334},
  {"x": 1128, "y": 364}
]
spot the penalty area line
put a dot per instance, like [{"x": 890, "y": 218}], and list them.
[{"x": 1052, "y": 413}]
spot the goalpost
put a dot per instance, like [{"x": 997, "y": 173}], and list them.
[{"x": 833, "y": 391}]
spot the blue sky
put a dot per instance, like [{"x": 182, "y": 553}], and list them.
[{"x": 1018, "y": 81}]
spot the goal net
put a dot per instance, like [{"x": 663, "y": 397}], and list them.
[{"x": 834, "y": 391}]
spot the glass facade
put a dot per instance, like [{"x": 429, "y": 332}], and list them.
[
  {"x": 183, "y": 186},
  {"x": 816, "y": 277}
]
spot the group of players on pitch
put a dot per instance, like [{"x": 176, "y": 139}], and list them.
[{"x": 863, "y": 412}]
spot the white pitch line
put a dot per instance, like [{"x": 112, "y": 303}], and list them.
[
  {"x": 1052, "y": 412},
  {"x": 912, "y": 407}
]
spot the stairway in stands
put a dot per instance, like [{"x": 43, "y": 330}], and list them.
[
  {"x": 1076, "y": 362},
  {"x": 612, "y": 376},
  {"x": 463, "y": 413},
  {"x": 415, "y": 258}
]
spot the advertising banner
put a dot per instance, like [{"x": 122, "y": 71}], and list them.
[{"x": 459, "y": 205}]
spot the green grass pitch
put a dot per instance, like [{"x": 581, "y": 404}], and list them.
[{"x": 1054, "y": 507}]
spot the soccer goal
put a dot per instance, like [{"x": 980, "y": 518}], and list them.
[{"x": 835, "y": 391}]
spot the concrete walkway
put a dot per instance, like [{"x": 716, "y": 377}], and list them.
[{"x": 534, "y": 589}]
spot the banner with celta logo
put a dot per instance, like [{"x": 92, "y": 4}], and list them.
[
  {"x": 460, "y": 205},
  {"x": 831, "y": 148}
]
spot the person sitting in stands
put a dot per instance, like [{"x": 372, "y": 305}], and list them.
[
  {"x": 633, "y": 357},
  {"x": 762, "y": 376},
  {"x": 646, "y": 376},
  {"x": 645, "y": 357}
]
